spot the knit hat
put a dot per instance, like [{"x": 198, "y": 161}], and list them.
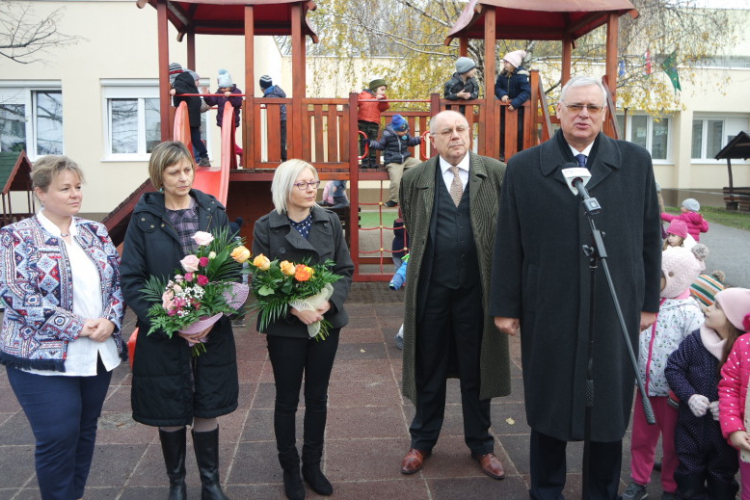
[
  {"x": 376, "y": 83},
  {"x": 464, "y": 65},
  {"x": 515, "y": 57},
  {"x": 680, "y": 268},
  {"x": 225, "y": 79},
  {"x": 399, "y": 124},
  {"x": 195, "y": 75},
  {"x": 705, "y": 288},
  {"x": 692, "y": 204},
  {"x": 678, "y": 227},
  {"x": 265, "y": 82},
  {"x": 735, "y": 302},
  {"x": 174, "y": 70}
]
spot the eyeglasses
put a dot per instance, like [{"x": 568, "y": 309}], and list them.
[
  {"x": 593, "y": 109},
  {"x": 306, "y": 185},
  {"x": 449, "y": 131}
]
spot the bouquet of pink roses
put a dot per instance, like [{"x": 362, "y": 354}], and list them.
[{"x": 206, "y": 288}]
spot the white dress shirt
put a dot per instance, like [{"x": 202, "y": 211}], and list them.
[{"x": 463, "y": 172}]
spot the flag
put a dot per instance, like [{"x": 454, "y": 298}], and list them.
[
  {"x": 670, "y": 68},
  {"x": 621, "y": 68},
  {"x": 647, "y": 62}
]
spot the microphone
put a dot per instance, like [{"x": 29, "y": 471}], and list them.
[{"x": 576, "y": 178}]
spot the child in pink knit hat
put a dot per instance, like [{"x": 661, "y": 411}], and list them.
[
  {"x": 731, "y": 314},
  {"x": 678, "y": 236}
]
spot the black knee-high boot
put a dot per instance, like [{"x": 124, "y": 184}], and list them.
[
  {"x": 289, "y": 460},
  {"x": 312, "y": 449},
  {"x": 173, "y": 448},
  {"x": 206, "y": 445}
]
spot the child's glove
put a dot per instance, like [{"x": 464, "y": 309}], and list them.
[
  {"x": 714, "y": 407},
  {"x": 698, "y": 404}
]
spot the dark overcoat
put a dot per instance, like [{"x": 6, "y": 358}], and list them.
[
  {"x": 164, "y": 373},
  {"x": 417, "y": 197},
  {"x": 275, "y": 238},
  {"x": 541, "y": 276}
]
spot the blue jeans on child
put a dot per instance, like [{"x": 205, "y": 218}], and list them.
[{"x": 63, "y": 413}]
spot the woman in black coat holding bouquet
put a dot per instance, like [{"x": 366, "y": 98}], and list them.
[
  {"x": 171, "y": 389},
  {"x": 299, "y": 229}
]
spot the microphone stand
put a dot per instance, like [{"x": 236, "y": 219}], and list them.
[{"x": 597, "y": 253}]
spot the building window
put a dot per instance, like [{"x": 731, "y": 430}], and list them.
[
  {"x": 652, "y": 133},
  {"x": 133, "y": 120},
  {"x": 710, "y": 134},
  {"x": 31, "y": 119}
]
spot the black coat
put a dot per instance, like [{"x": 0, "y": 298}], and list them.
[
  {"x": 456, "y": 85},
  {"x": 185, "y": 84},
  {"x": 541, "y": 276},
  {"x": 396, "y": 148},
  {"x": 515, "y": 85},
  {"x": 275, "y": 238},
  {"x": 162, "y": 391}
]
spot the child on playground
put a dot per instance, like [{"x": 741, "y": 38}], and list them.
[
  {"x": 707, "y": 463},
  {"x": 334, "y": 194},
  {"x": 368, "y": 117},
  {"x": 463, "y": 85},
  {"x": 223, "y": 95},
  {"x": 696, "y": 224},
  {"x": 678, "y": 236},
  {"x": 397, "y": 158},
  {"x": 512, "y": 85},
  {"x": 678, "y": 316},
  {"x": 731, "y": 314},
  {"x": 183, "y": 82},
  {"x": 271, "y": 91}
]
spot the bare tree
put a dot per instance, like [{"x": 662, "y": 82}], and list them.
[{"x": 26, "y": 37}]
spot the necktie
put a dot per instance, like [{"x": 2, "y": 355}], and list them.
[
  {"x": 457, "y": 188},
  {"x": 581, "y": 159}
]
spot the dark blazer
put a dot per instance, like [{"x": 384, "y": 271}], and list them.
[
  {"x": 417, "y": 197},
  {"x": 162, "y": 392},
  {"x": 540, "y": 275},
  {"x": 275, "y": 238}
]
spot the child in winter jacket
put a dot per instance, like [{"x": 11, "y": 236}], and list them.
[
  {"x": 463, "y": 85},
  {"x": 677, "y": 235},
  {"x": 271, "y": 91},
  {"x": 731, "y": 316},
  {"x": 397, "y": 158},
  {"x": 512, "y": 86},
  {"x": 368, "y": 117},
  {"x": 696, "y": 224},
  {"x": 223, "y": 95},
  {"x": 707, "y": 463},
  {"x": 678, "y": 316}
]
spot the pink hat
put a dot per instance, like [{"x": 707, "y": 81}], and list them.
[
  {"x": 680, "y": 268},
  {"x": 735, "y": 302},
  {"x": 678, "y": 227},
  {"x": 515, "y": 57}
]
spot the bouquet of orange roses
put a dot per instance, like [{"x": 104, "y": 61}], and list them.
[
  {"x": 202, "y": 292},
  {"x": 280, "y": 285}
]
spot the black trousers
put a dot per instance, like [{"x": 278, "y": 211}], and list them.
[
  {"x": 283, "y": 140},
  {"x": 291, "y": 358},
  {"x": 371, "y": 130},
  {"x": 548, "y": 468},
  {"x": 450, "y": 339}
]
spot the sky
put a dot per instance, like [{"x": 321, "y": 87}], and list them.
[{"x": 726, "y": 4}]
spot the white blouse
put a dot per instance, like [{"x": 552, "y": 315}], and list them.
[{"x": 83, "y": 353}]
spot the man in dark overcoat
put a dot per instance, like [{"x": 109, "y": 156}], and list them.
[
  {"x": 450, "y": 205},
  {"x": 541, "y": 282}
]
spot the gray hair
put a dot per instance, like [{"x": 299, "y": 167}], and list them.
[
  {"x": 48, "y": 167},
  {"x": 583, "y": 81},
  {"x": 283, "y": 182}
]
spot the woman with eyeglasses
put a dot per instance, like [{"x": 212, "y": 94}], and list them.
[{"x": 298, "y": 229}]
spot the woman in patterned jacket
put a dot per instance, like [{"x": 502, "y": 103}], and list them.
[{"x": 60, "y": 341}]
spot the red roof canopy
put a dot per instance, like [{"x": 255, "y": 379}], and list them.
[
  {"x": 227, "y": 17},
  {"x": 538, "y": 19}
]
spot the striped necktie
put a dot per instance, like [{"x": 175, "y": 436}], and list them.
[
  {"x": 581, "y": 159},
  {"x": 457, "y": 187}
]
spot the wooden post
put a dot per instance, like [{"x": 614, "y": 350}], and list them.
[
  {"x": 463, "y": 46},
  {"x": 164, "y": 86},
  {"x": 613, "y": 24},
  {"x": 248, "y": 137},
  {"x": 492, "y": 122},
  {"x": 567, "y": 58},
  {"x": 191, "y": 49},
  {"x": 353, "y": 228},
  {"x": 298, "y": 85}
]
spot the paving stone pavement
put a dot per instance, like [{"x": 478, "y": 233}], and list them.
[{"x": 366, "y": 437}]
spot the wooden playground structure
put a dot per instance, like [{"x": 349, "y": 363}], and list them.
[{"x": 323, "y": 131}]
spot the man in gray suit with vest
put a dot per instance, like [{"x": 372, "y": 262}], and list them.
[{"x": 450, "y": 205}]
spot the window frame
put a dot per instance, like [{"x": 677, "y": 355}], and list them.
[
  {"x": 26, "y": 93},
  {"x": 704, "y": 118},
  {"x": 650, "y": 134},
  {"x": 140, "y": 90}
]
